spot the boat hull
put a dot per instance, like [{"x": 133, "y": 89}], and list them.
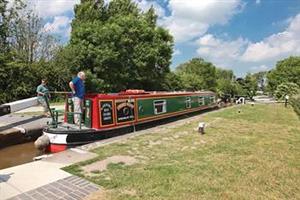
[{"x": 61, "y": 139}]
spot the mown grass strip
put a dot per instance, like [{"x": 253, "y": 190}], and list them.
[{"x": 254, "y": 154}]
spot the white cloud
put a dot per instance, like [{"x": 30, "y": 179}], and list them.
[
  {"x": 257, "y": 1},
  {"x": 176, "y": 52},
  {"x": 277, "y": 45},
  {"x": 192, "y": 18},
  {"x": 241, "y": 54},
  {"x": 259, "y": 68},
  {"x": 214, "y": 48},
  {"x": 60, "y": 25},
  {"x": 53, "y": 7},
  {"x": 145, "y": 5}
]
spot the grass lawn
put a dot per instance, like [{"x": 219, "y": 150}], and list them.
[{"x": 254, "y": 154}]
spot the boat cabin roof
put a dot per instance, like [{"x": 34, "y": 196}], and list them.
[{"x": 142, "y": 93}]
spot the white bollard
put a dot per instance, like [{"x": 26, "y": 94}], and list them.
[
  {"x": 201, "y": 126},
  {"x": 42, "y": 142}
]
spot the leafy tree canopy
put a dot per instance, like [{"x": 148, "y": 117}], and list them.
[
  {"x": 286, "y": 89},
  {"x": 197, "y": 74},
  {"x": 287, "y": 70},
  {"x": 120, "y": 45}
]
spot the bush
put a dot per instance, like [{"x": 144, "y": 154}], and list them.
[
  {"x": 295, "y": 102},
  {"x": 286, "y": 89}
]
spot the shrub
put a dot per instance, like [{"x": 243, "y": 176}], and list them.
[
  {"x": 295, "y": 102},
  {"x": 286, "y": 89}
]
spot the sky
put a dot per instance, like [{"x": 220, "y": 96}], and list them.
[{"x": 242, "y": 35}]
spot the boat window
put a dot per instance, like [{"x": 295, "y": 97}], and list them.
[
  {"x": 160, "y": 106},
  {"x": 188, "y": 102},
  {"x": 212, "y": 99},
  {"x": 201, "y": 101}
]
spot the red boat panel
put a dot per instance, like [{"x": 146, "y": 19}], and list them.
[{"x": 55, "y": 148}]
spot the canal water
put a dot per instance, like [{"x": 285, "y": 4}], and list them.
[{"x": 17, "y": 154}]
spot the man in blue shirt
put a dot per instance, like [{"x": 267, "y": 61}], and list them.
[{"x": 78, "y": 90}]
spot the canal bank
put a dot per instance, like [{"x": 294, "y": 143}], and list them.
[
  {"x": 23, "y": 126},
  {"x": 44, "y": 179},
  {"x": 17, "y": 129}
]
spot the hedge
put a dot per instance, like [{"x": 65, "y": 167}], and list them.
[{"x": 295, "y": 102}]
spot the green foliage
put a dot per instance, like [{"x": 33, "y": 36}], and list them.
[
  {"x": 3, "y": 27},
  {"x": 286, "y": 89},
  {"x": 197, "y": 74},
  {"x": 172, "y": 82},
  {"x": 225, "y": 83},
  {"x": 287, "y": 70},
  {"x": 250, "y": 85},
  {"x": 295, "y": 102},
  {"x": 240, "y": 91},
  {"x": 226, "y": 87},
  {"x": 120, "y": 45},
  {"x": 25, "y": 53},
  {"x": 246, "y": 86},
  {"x": 224, "y": 74},
  {"x": 260, "y": 78}
]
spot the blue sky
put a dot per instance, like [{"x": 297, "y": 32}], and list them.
[{"x": 242, "y": 35}]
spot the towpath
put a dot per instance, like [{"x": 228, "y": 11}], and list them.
[{"x": 45, "y": 179}]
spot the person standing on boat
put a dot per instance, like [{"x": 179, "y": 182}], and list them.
[
  {"x": 78, "y": 90},
  {"x": 43, "y": 93}
]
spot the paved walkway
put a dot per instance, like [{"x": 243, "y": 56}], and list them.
[
  {"x": 23, "y": 181},
  {"x": 264, "y": 99},
  {"x": 69, "y": 188}
]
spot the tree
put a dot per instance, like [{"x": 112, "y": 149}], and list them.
[
  {"x": 250, "y": 85},
  {"x": 197, "y": 74},
  {"x": 286, "y": 89},
  {"x": 3, "y": 27},
  {"x": 172, "y": 82},
  {"x": 224, "y": 74},
  {"x": 287, "y": 70},
  {"x": 260, "y": 78},
  {"x": 226, "y": 88},
  {"x": 246, "y": 86},
  {"x": 120, "y": 45},
  {"x": 26, "y": 52},
  {"x": 225, "y": 82},
  {"x": 4, "y": 49},
  {"x": 29, "y": 41},
  {"x": 295, "y": 102}
]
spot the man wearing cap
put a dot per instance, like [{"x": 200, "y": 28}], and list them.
[{"x": 78, "y": 90}]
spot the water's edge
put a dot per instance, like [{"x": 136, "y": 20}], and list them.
[{"x": 17, "y": 154}]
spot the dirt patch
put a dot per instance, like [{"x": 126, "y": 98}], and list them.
[
  {"x": 129, "y": 192},
  {"x": 153, "y": 143},
  {"x": 98, "y": 195},
  {"x": 102, "y": 164},
  {"x": 184, "y": 148}
]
